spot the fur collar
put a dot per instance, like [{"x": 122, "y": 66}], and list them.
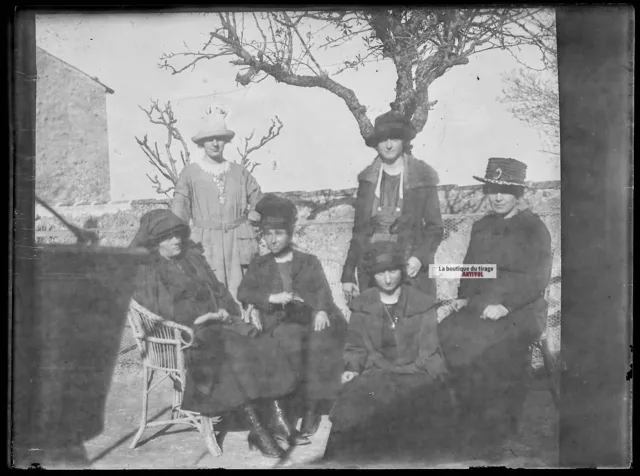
[{"x": 416, "y": 173}]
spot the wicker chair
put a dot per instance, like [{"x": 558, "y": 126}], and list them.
[{"x": 162, "y": 344}]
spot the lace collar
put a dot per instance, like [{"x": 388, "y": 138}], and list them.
[{"x": 207, "y": 166}]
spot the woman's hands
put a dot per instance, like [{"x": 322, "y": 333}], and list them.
[
  {"x": 458, "y": 304},
  {"x": 494, "y": 312},
  {"x": 321, "y": 321},
  {"x": 414, "y": 265},
  {"x": 350, "y": 291},
  {"x": 254, "y": 318},
  {"x": 281, "y": 298},
  {"x": 348, "y": 376},
  {"x": 221, "y": 316}
]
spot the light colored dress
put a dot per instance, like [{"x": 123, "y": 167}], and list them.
[{"x": 217, "y": 205}]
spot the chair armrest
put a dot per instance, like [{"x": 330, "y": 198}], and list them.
[{"x": 190, "y": 334}]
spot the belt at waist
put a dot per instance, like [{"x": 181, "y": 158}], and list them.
[{"x": 220, "y": 225}]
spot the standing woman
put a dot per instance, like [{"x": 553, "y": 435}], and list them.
[
  {"x": 486, "y": 341},
  {"x": 217, "y": 196},
  {"x": 397, "y": 201}
]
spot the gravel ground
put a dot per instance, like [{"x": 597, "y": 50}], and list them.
[{"x": 181, "y": 447}]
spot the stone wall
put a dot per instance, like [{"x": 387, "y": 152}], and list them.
[
  {"x": 72, "y": 149},
  {"x": 324, "y": 229}
]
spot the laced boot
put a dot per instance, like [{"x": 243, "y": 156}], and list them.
[
  {"x": 259, "y": 438},
  {"x": 282, "y": 429}
]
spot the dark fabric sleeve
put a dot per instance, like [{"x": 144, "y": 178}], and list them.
[
  {"x": 151, "y": 293},
  {"x": 355, "y": 351},
  {"x": 323, "y": 299},
  {"x": 516, "y": 288},
  {"x": 467, "y": 287},
  {"x": 222, "y": 294},
  {"x": 357, "y": 237},
  {"x": 430, "y": 356},
  {"x": 433, "y": 228},
  {"x": 250, "y": 291}
]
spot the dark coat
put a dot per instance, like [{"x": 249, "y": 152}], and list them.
[
  {"x": 419, "y": 227},
  {"x": 520, "y": 246},
  {"x": 317, "y": 355},
  {"x": 489, "y": 359},
  {"x": 418, "y": 349},
  {"x": 226, "y": 369},
  {"x": 394, "y": 406}
]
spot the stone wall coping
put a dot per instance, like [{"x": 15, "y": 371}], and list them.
[{"x": 325, "y": 193}]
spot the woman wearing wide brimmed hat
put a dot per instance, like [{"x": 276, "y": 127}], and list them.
[
  {"x": 486, "y": 340},
  {"x": 217, "y": 196},
  {"x": 397, "y": 200},
  {"x": 395, "y": 403}
]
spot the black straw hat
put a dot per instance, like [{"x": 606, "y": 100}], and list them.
[
  {"x": 391, "y": 125},
  {"x": 501, "y": 171}
]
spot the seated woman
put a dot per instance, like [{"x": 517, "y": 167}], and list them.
[
  {"x": 289, "y": 290},
  {"x": 395, "y": 395},
  {"x": 486, "y": 341},
  {"x": 227, "y": 369}
]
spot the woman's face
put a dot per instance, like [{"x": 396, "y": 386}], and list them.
[
  {"x": 388, "y": 281},
  {"x": 390, "y": 150},
  {"x": 171, "y": 247},
  {"x": 214, "y": 148},
  {"x": 501, "y": 199},
  {"x": 277, "y": 240}
]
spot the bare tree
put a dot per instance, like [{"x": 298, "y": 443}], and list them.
[
  {"x": 532, "y": 94},
  {"x": 163, "y": 116},
  {"x": 272, "y": 133},
  {"x": 423, "y": 45},
  {"x": 168, "y": 167}
]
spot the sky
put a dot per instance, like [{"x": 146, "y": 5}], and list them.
[{"x": 320, "y": 146}]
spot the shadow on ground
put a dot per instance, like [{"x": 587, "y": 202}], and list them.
[{"x": 182, "y": 447}]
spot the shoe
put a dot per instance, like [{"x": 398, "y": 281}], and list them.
[
  {"x": 281, "y": 428},
  {"x": 259, "y": 438},
  {"x": 310, "y": 420}
]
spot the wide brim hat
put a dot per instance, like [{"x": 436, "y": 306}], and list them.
[
  {"x": 276, "y": 212},
  {"x": 214, "y": 126},
  {"x": 157, "y": 225},
  {"x": 383, "y": 256},
  {"x": 504, "y": 171},
  {"x": 391, "y": 125}
]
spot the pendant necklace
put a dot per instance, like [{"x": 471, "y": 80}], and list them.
[{"x": 393, "y": 320}]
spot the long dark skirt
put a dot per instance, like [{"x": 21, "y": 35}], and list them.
[
  {"x": 227, "y": 370},
  {"x": 384, "y": 416},
  {"x": 490, "y": 363},
  {"x": 314, "y": 356}
]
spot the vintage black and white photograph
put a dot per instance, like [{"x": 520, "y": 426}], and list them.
[{"x": 298, "y": 238}]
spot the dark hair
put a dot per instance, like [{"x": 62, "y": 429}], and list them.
[{"x": 514, "y": 190}]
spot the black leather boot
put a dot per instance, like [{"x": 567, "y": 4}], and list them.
[
  {"x": 259, "y": 437},
  {"x": 311, "y": 419},
  {"x": 282, "y": 429}
]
